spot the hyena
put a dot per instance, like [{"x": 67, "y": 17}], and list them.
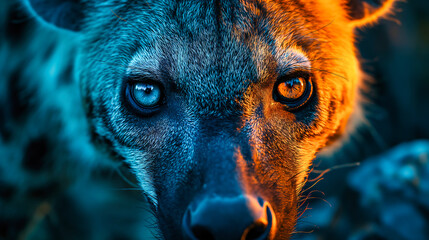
[{"x": 218, "y": 107}]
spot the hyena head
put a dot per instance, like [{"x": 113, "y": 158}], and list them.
[{"x": 218, "y": 106}]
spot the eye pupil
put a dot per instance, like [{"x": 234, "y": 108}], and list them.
[
  {"x": 292, "y": 89},
  {"x": 290, "y": 84},
  {"x": 148, "y": 90},
  {"x": 146, "y": 95}
]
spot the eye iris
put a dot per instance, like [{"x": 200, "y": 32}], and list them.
[
  {"x": 147, "y": 95},
  {"x": 292, "y": 89}
]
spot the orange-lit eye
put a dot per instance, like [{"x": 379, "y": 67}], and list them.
[{"x": 293, "y": 90}]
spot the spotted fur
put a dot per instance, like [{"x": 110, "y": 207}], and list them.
[{"x": 49, "y": 168}]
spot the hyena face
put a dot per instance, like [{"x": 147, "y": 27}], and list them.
[{"x": 218, "y": 106}]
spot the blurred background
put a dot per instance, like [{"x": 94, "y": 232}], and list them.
[{"x": 385, "y": 197}]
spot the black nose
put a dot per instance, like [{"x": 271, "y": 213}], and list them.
[{"x": 229, "y": 218}]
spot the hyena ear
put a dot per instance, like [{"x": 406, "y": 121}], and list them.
[
  {"x": 364, "y": 12},
  {"x": 66, "y": 14}
]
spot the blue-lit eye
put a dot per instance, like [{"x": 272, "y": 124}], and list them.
[{"x": 144, "y": 97}]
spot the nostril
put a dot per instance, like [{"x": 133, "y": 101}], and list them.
[
  {"x": 201, "y": 232},
  {"x": 260, "y": 230},
  {"x": 255, "y": 231}
]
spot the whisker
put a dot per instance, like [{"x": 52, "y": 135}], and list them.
[
  {"x": 335, "y": 74},
  {"x": 376, "y": 135},
  {"x": 118, "y": 170},
  {"x": 340, "y": 166},
  {"x": 314, "y": 31},
  {"x": 320, "y": 179},
  {"x": 117, "y": 15},
  {"x": 305, "y": 201},
  {"x": 320, "y": 198},
  {"x": 312, "y": 60},
  {"x": 320, "y": 70},
  {"x": 313, "y": 191},
  {"x": 303, "y": 232},
  {"x": 306, "y": 208},
  {"x": 295, "y": 175}
]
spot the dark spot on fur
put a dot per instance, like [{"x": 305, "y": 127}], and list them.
[
  {"x": 89, "y": 107},
  {"x": 358, "y": 7},
  {"x": 6, "y": 191},
  {"x": 5, "y": 132},
  {"x": 67, "y": 75},
  {"x": 18, "y": 99},
  {"x": 11, "y": 227},
  {"x": 35, "y": 154},
  {"x": 332, "y": 108},
  {"x": 17, "y": 26},
  {"x": 49, "y": 51},
  {"x": 306, "y": 43},
  {"x": 44, "y": 191}
]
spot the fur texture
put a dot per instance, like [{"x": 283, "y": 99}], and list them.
[{"x": 220, "y": 132}]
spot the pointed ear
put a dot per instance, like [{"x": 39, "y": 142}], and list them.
[
  {"x": 364, "y": 12},
  {"x": 66, "y": 14}
]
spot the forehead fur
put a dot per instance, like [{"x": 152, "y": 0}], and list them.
[
  {"x": 212, "y": 51},
  {"x": 220, "y": 47}
]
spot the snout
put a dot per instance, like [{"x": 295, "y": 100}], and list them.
[{"x": 241, "y": 217}]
